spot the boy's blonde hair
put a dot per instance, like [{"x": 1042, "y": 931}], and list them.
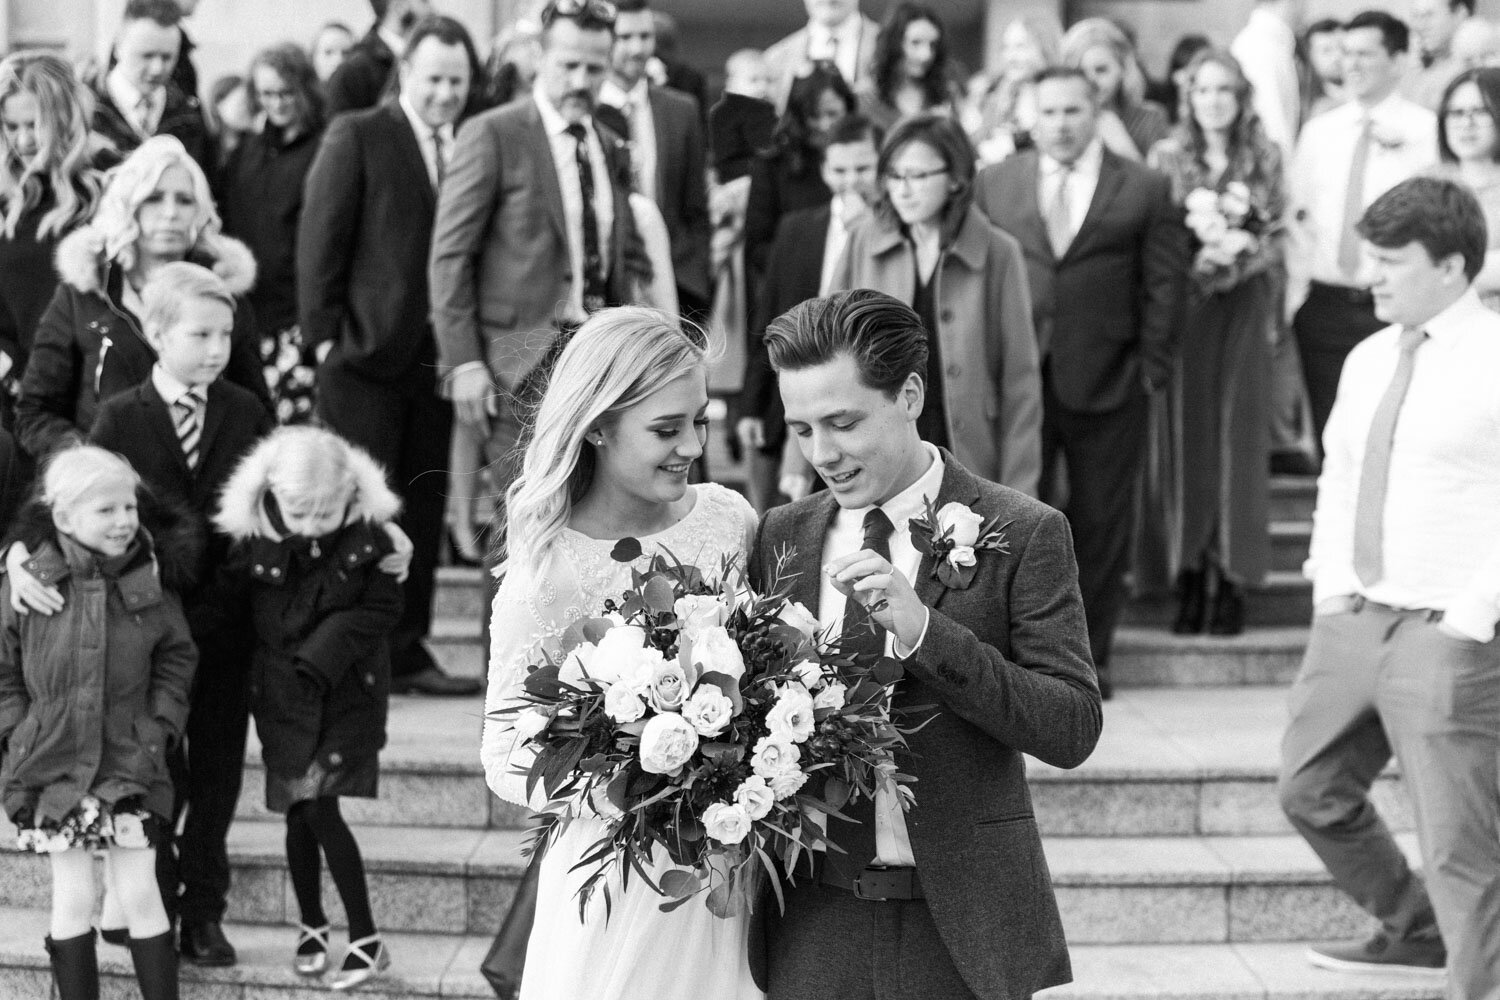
[
  {"x": 77, "y": 472},
  {"x": 310, "y": 462},
  {"x": 171, "y": 285}
]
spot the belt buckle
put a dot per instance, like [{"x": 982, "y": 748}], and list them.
[{"x": 878, "y": 883}]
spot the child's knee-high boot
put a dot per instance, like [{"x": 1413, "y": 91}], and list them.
[
  {"x": 75, "y": 967},
  {"x": 155, "y": 966}
]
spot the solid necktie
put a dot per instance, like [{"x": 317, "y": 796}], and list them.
[
  {"x": 1354, "y": 204},
  {"x": 1060, "y": 213},
  {"x": 439, "y": 156},
  {"x": 189, "y": 425},
  {"x": 862, "y": 637},
  {"x": 1374, "y": 475},
  {"x": 593, "y": 260}
]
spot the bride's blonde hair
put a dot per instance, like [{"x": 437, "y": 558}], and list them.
[{"x": 617, "y": 358}]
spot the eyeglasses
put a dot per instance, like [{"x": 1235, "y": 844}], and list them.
[
  {"x": 600, "y": 12},
  {"x": 913, "y": 177},
  {"x": 1457, "y": 115}
]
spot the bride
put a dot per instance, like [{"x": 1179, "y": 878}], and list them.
[{"x": 622, "y": 420}]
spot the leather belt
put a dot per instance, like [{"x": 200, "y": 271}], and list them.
[
  {"x": 1358, "y": 602},
  {"x": 878, "y": 883}
]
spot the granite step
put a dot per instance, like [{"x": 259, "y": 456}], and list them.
[
  {"x": 446, "y": 965},
  {"x": 1293, "y": 497},
  {"x": 1111, "y": 890},
  {"x": 1289, "y": 544},
  {"x": 1154, "y": 657},
  {"x": 1284, "y": 599}
]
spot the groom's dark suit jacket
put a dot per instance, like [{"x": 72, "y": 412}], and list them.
[{"x": 1006, "y": 662}]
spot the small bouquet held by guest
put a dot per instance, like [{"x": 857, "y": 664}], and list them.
[
  {"x": 703, "y": 719},
  {"x": 1228, "y": 226}
]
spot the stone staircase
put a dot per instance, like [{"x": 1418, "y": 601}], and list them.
[{"x": 1176, "y": 874}]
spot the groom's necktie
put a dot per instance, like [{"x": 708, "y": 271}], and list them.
[{"x": 863, "y": 637}]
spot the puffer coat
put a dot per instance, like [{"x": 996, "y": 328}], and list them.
[
  {"x": 322, "y": 612},
  {"x": 90, "y": 696}
]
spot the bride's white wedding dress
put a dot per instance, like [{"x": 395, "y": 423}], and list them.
[{"x": 641, "y": 952}]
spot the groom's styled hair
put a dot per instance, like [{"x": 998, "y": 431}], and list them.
[{"x": 883, "y": 335}]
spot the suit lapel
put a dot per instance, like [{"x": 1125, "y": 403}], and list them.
[
  {"x": 156, "y": 415},
  {"x": 541, "y": 149},
  {"x": 658, "y": 127},
  {"x": 1111, "y": 177},
  {"x": 213, "y": 421},
  {"x": 1033, "y": 226},
  {"x": 410, "y": 151},
  {"x": 958, "y": 486},
  {"x": 807, "y": 544}
]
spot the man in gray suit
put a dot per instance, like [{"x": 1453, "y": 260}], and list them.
[
  {"x": 951, "y": 899},
  {"x": 532, "y": 228}
]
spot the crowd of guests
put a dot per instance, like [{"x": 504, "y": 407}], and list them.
[{"x": 1139, "y": 297}]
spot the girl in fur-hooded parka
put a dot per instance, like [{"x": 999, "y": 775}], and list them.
[
  {"x": 89, "y": 344},
  {"x": 89, "y": 698},
  {"x": 304, "y": 511}
]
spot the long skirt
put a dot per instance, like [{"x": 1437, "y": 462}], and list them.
[{"x": 1226, "y": 389}]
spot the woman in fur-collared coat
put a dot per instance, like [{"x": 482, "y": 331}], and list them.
[{"x": 89, "y": 343}]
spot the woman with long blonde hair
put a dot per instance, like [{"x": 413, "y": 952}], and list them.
[
  {"x": 617, "y": 430},
  {"x": 1128, "y": 123},
  {"x": 157, "y": 209},
  {"x": 49, "y": 186}
]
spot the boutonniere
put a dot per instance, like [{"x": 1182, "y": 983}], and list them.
[{"x": 953, "y": 537}]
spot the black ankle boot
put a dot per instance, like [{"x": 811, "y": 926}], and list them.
[
  {"x": 75, "y": 967},
  {"x": 155, "y": 966},
  {"x": 1229, "y": 610},
  {"x": 1192, "y": 602}
]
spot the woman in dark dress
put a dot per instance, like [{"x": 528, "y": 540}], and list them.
[
  {"x": 261, "y": 202},
  {"x": 910, "y": 75},
  {"x": 1228, "y": 176},
  {"x": 785, "y": 177},
  {"x": 49, "y": 185}
]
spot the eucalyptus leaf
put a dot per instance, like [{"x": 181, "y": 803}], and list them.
[{"x": 626, "y": 550}]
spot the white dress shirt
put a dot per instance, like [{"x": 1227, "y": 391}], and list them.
[
  {"x": 127, "y": 98},
  {"x": 842, "y": 42},
  {"x": 1405, "y": 144},
  {"x": 846, "y": 536},
  {"x": 635, "y": 105},
  {"x": 1083, "y": 179},
  {"x": 1442, "y": 508},
  {"x": 426, "y": 142},
  {"x": 1266, "y": 49},
  {"x": 169, "y": 387},
  {"x": 833, "y": 247},
  {"x": 564, "y": 159}
]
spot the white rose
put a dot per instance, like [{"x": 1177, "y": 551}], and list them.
[
  {"x": 798, "y": 617},
  {"x": 962, "y": 555},
  {"x": 832, "y": 696},
  {"x": 787, "y": 783},
  {"x": 773, "y": 755},
  {"x": 698, "y": 612},
  {"x": 130, "y": 831},
  {"x": 578, "y": 664},
  {"x": 791, "y": 718},
  {"x": 669, "y": 687},
  {"x": 726, "y": 823},
  {"x": 667, "y": 743},
  {"x": 616, "y": 646},
  {"x": 961, "y": 523},
  {"x": 1201, "y": 201},
  {"x": 531, "y": 722},
  {"x": 1212, "y": 229},
  {"x": 1235, "y": 201},
  {"x": 755, "y": 797},
  {"x": 638, "y": 669},
  {"x": 708, "y": 710},
  {"x": 623, "y": 705},
  {"x": 809, "y": 673},
  {"x": 715, "y": 652}
]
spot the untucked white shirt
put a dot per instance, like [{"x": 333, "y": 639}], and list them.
[
  {"x": 1404, "y": 144},
  {"x": 846, "y": 536},
  {"x": 1442, "y": 508},
  {"x": 1083, "y": 180},
  {"x": 635, "y": 104},
  {"x": 564, "y": 159}
]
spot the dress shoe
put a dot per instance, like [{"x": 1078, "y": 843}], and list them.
[
  {"x": 432, "y": 681},
  {"x": 1381, "y": 953},
  {"x": 1192, "y": 602},
  {"x": 311, "y": 957},
  {"x": 204, "y": 943},
  {"x": 1229, "y": 610},
  {"x": 1106, "y": 684},
  {"x": 365, "y": 959}
]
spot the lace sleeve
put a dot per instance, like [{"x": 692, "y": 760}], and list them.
[{"x": 530, "y": 614}]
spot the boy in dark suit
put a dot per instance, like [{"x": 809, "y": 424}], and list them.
[{"x": 184, "y": 429}]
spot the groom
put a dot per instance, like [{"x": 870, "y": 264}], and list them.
[{"x": 952, "y": 899}]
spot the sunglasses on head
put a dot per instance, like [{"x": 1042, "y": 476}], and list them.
[{"x": 600, "y": 12}]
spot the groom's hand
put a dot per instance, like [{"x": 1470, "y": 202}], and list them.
[{"x": 869, "y": 578}]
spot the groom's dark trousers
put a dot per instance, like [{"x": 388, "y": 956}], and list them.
[{"x": 1006, "y": 663}]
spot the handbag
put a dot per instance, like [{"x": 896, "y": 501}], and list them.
[{"x": 503, "y": 964}]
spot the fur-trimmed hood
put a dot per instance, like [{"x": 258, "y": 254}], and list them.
[
  {"x": 242, "y": 503},
  {"x": 81, "y": 261}
]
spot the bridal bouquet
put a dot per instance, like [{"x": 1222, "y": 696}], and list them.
[
  {"x": 1227, "y": 225},
  {"x": 698, "y": 717}
]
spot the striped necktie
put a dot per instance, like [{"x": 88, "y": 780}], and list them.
[{"x": 188, "y": 410}]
